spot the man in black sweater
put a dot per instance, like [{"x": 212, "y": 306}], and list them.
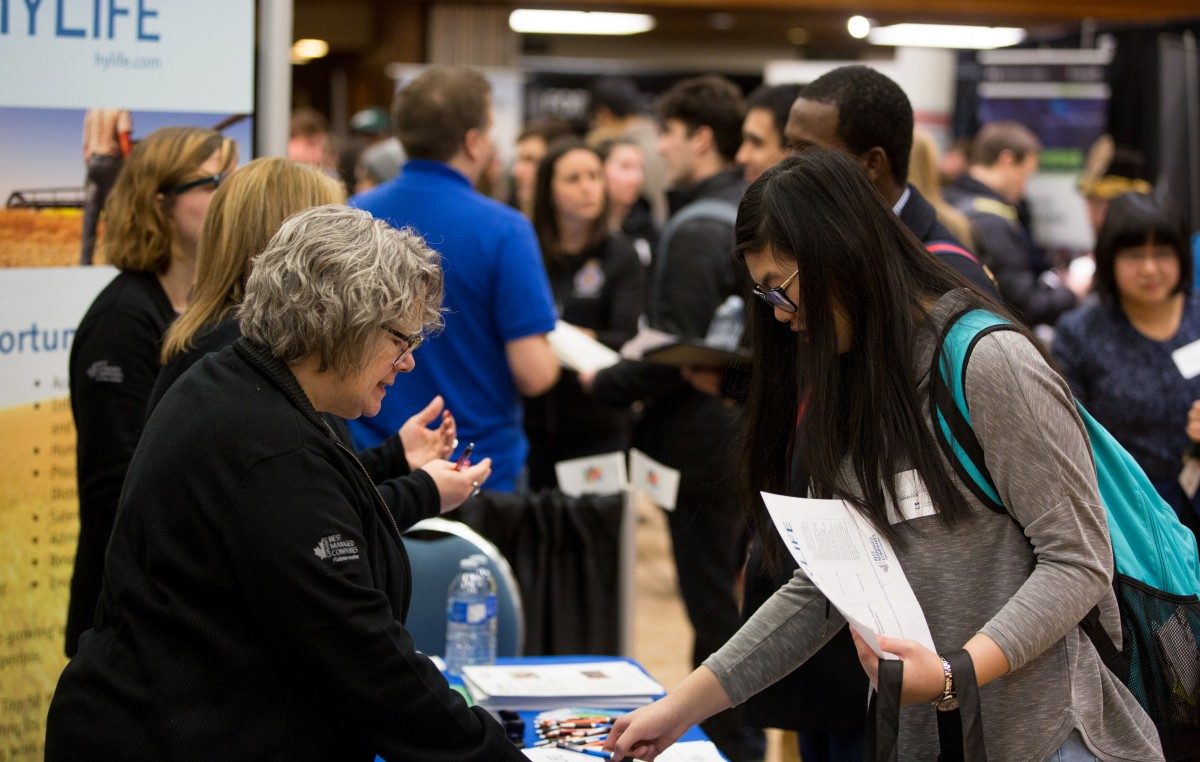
[{"x": 682, "y": 428}]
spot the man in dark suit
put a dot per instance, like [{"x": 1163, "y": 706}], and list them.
[{"x": 860, "y": 111}]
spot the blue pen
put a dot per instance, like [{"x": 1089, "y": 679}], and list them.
[{"x": 602, "y": 754}]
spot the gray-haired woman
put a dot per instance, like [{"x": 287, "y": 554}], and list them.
[{"x": 255, "y": 583}]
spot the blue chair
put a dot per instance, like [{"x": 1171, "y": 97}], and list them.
[{"x": 435, "y": 546}]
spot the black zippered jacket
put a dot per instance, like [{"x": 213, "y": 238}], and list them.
[{"x": 253, "y": 595}]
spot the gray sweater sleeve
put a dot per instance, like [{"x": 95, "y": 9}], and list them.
[
  {"x": 1037, "y": 451},
  {"x": 790, "y": 627}
]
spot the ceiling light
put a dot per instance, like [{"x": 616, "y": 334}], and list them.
[
  {"x": 945, "y": 36},
  {"x": 526, "y": 21},
  {"x": 858, "y": 26},
  {"x": 309, "y": 49}
]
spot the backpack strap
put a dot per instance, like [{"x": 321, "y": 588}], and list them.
[
  {"x": 948, "y": 401},
  {"x": 945, "y": 247},
  {"x": 953, "y": 431},
  {"x": 703, "y": 209}
]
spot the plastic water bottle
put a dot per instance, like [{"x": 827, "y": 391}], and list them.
[
  {"x": 467, "y": 626},
  {"x": 489, "y": 579},
  {"x": 725, "y": 330}
]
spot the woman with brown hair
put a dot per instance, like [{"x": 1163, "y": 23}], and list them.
[
  {"x": 596, "y": 279},
  {"x": 154, "y": 215},
  {"x": 923, "y": 173}
]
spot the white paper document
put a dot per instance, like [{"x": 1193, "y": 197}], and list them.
[
  {"x": 601, "y": 684},
  {"x": 593, "y": 475},
  {"x": 578, "y": 351},
  {"x": 853, "y": 565},
  {"x": 660, "y": 483}
]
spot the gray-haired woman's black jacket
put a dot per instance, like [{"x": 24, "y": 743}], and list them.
[{"x": 253, "y": 596}]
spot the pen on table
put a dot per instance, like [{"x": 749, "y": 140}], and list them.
[
  {"x": 588, "y": 724},
  {"x": 463, "y": 459},
  {"x": 572, "y": 734},
  {"x": 578, "y": 718},
  {"x": 580, "y": 741},
  {"x": 590, "y": 752}
]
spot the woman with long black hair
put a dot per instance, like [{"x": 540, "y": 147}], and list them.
[{"x": 851, "y": 311}]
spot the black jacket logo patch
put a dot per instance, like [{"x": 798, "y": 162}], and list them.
[{"x": 337, "y": 549}]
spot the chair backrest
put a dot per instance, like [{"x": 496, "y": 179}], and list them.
[{"x": 435, "y": 546}]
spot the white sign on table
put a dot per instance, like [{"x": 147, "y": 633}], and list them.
[
  {"x": 593, "y": 475},
  {"x": 660, "y": 483}
]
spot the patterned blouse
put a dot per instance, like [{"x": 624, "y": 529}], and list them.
[{"x": 1129, "y": 382}]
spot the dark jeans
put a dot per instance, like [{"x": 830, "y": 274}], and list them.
[
  {"x": 101, "y": 175},
  {"x": 708, "y": 540}
]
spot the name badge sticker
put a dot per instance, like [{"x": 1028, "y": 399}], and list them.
[
  {"x": 915, "y": 502},
  {"x": 1187, "y": 359}
]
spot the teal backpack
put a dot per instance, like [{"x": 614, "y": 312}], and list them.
[{"x": 1157, "y": 569}]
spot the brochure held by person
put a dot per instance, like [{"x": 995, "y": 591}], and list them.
[{"x": 853, "y": 565}]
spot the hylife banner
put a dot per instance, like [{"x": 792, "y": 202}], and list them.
[
  {"x": 156, "y": 63},
  {"x": 160, "y": 55}
]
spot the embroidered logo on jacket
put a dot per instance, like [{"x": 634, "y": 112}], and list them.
[
  {"x": 104, "y": 373},
  {"x": 337, "y": 549}
]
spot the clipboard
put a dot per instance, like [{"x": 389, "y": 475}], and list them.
[{"x": 695, "y": 353}]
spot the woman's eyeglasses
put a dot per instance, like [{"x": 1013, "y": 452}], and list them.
[
  {"x": 775, "y": 296},
  {"x": 410, "y": 343},
  {"x": 213, "y": 180}
]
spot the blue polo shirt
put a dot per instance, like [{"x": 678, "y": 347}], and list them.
[{"x": 496, "y": 291}]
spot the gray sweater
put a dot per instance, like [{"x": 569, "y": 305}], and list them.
[{"x": 1027, "y": 591}]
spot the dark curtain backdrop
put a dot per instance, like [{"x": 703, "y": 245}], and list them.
[{"x": 565, "y": 554}]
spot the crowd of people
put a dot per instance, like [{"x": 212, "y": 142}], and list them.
[{"x": 268, "y": 393}]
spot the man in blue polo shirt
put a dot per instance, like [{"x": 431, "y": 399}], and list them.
[{"x": 498, "y": 308}]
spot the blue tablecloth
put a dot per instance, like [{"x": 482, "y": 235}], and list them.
[{"x": 693, "y": 734}]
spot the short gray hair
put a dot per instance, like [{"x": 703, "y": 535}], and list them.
[{"x": 330, "y": 278}]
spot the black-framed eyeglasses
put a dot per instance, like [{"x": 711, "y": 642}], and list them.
[
  {"x": 775, "y": 296},
  {"x": 213, "y": 180},
  {"x": 410, "y": 343}
]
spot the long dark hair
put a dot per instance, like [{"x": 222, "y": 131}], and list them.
[
  {"x": 1136, "y": 219},
  {"x": 817, "y": 212},
  {"x": 545, "y": 212}
]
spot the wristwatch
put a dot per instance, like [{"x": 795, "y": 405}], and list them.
[{"x": 948, "y": 700}]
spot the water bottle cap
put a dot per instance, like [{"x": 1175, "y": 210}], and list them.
[
  {"x": 480, "y": 559},
  {"x": 467, "y": 564}
]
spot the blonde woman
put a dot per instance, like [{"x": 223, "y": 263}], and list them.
[
  {"x": 923, "y": 173},
  {"x": 154, "y": 215},
  {"x": 245, "y": 213}
]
